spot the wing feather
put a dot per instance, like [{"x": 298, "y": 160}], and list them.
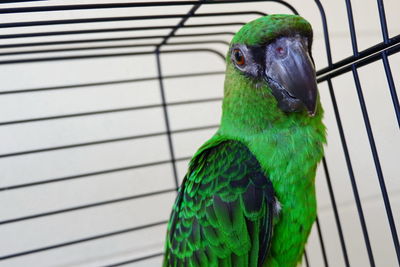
[{"x": 223, "y": 212}]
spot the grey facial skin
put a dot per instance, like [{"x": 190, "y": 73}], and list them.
[
  {"x": 290, "y": 72},
  {"x": 253, "y": 66},
  {"x": 287, "y": 67}
]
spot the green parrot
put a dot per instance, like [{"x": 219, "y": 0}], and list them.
[{"x": 248, "y": 198}]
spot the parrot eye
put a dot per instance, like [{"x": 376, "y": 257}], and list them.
[{"x": 238, "y": 56}]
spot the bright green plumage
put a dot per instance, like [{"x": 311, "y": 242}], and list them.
[{"x": 226, "y": 210}]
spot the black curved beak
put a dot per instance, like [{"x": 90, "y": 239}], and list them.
[{"x": 290, "y": 72}]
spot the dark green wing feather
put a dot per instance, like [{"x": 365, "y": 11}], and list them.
[{"x": 223, "y": 212}]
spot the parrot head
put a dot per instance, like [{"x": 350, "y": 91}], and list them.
[{"x": 270, "y": 69}]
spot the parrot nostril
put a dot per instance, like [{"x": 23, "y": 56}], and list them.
[{"x": 280, "y": 50}]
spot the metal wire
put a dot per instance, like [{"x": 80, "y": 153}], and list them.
[
  {"x": 112, "y": 140},
  {"x": 85, "y": 41},
  {"x": 77, "y": 86},
  {"x": 59, "y": 58},
  {"x": 389, "y": 75},
  {"x": 155, "y": 255},
  {"x": 86, "y": 206},
  {"x": 369, "y": 132},
  {"x": 162, "y": 90},
  {"x": 336, "y": 213},
  {"x": 321, "y": 241},
  {"x": 113, "y": 30},
  {"x": 115, "y": 19},
  {"x": 139, "y": 4},
  {"x": 91, "y": 174},
  {"x": 306, "y": 258},
  {"x": 82, "y": 240}
]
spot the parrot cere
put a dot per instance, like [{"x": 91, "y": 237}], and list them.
[{"x": 248, "y": 198}]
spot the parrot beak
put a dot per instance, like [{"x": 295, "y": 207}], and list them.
[{"x": 290, "y": 72}]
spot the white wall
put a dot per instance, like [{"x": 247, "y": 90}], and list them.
[{"x": 68, "y": 226}]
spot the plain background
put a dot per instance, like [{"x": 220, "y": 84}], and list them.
[{"x": 68, "y": 226}]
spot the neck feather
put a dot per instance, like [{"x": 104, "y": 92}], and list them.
[{"x": 249, "y": 108}]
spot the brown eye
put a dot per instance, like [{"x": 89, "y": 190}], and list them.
[{"x": 238, "y": 56}]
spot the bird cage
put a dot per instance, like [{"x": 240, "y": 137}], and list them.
[{"x": 103, "y": 103}]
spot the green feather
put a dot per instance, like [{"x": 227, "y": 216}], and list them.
[
  {"x": 223, "y": 215},
  {"x": 218, "y": 215},
  {"x": 268, "y": 28}
]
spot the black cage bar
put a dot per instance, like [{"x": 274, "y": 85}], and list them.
[{"x": 24, "y": 27}]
